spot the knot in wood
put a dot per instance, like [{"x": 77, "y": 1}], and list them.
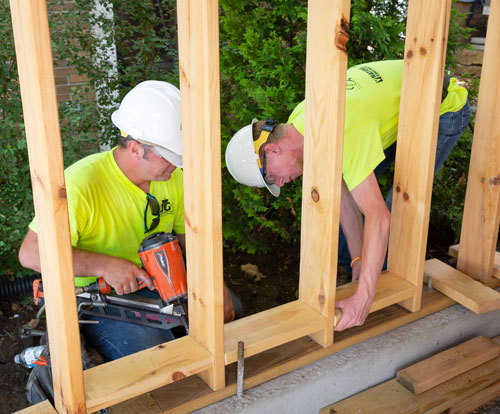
[
  {"x": 62, "y": 193},
  {"x": 406, "y": 196},
  {"x": 177, "y": 376},
  {"x": 495, "y": 180},
  {"x": 315, "y": 195},
  {"x": 423, "y": 51},
  {"x": 398, "y": 189},
  {"x": 321, "y": 299},
  {"x": 409, "y": 54},
  {"x": 342, "y": 36},
  {"x": 341, "y": 41}
]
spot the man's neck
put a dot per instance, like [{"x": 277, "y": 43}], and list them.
[{"x": 129, "y": 167}]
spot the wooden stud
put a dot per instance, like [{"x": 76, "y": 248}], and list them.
[
  {"x": 36, "y": 76},
  {"x": 480, "y": 223},
  {"x": 453, "y": 251},
  {"x": 200, "y": 108},
  {"x": 326, "y": 69},
  {"x": 448, "y": 364},
  {"x": 425, "y": 51},
  {"x": 461, "y": 287}
]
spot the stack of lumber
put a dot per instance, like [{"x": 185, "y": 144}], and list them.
[{"x": 455, "y": 381}]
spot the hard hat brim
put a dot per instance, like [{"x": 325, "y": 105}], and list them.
[{"x": 241, "y": 161}]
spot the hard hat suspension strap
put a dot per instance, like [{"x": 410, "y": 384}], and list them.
[{"x": 267, "y": 128}]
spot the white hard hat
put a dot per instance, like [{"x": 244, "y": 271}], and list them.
[
  {"x": 151, "y": 114},
  {"x": 241, "y": 160}
]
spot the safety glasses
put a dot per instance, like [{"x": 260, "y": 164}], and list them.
[
  {"x": 264, "y": 172},
  {"x": 153, "y": 205}
]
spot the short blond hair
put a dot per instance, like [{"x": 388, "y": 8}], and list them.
[{"x": 278, "y": 133}]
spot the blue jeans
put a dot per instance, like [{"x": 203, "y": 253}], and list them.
[
  {"x": 115, "y": 339},
  {"x": 451, "y": 126}
]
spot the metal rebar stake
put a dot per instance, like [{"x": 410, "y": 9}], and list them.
[{"x": 241, "y": 369}]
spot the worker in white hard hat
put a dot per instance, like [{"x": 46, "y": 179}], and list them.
[
  {"x": 116, "y": 199},
  {"x": 270, "y": 154}
]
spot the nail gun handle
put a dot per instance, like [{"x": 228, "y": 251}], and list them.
[
  {"x": 141, "y": 284},
  {"x": 100, "y": 286}
]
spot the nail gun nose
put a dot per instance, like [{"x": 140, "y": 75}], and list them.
[{"x": 99, "y": 286}]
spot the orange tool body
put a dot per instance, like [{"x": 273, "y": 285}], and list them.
[{"x": 162, "y": 260}]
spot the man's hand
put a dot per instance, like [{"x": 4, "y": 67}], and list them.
[
  {"x": 355, "y": 310},
  {"x": 123, "y": 275},
  {"x": 228, "y": 305}
]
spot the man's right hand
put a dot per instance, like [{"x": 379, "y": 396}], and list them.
[{"x": 123, "y": 275}]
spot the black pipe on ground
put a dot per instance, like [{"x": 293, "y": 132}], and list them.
[{"x": 17, "y": 288}]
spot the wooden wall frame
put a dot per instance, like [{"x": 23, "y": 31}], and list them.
[
  {"x": 212, "y": 345},
  {"x": 478, "y": 239}
]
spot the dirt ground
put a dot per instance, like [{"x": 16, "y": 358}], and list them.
[{"x": 275, "y": 283}]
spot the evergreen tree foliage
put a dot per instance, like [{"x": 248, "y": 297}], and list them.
[{"x": 262, "y": 63}]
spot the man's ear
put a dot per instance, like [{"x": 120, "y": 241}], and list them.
[
  {"x": 135, "y": 149},
  {"x": 272, "y": 149}
]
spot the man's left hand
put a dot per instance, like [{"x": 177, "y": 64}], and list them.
[
  {"x": 228, "y": 306},
  {"x": 355, "y": 310}
]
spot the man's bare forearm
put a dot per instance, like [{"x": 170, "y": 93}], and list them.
[
  {"x": 375, "y": 236},
  {"x": 120, "y": 273},
  {"x": 351, "y": 222}
]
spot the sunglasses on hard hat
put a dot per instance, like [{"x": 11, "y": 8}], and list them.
[
  {"x": 267, "y": 129},
  {"x": 264, "y": 172},
  {"x": 153, "y": 205}
]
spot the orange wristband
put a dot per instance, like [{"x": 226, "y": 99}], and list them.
[{"x": 356, "y": 259}]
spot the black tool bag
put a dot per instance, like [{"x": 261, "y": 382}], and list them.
[{"x": 39, "y": 386}]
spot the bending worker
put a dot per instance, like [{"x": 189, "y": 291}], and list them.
[
  {"x": 266, "y": 154},
  {"x": 117, "y": 198}
]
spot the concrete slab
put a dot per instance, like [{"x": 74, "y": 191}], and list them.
[{"x": 331, "y": 379}]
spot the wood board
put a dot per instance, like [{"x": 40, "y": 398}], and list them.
[
  {"x": 392, "y": 398},
  {"x": 461, "y": 287},
  {"x": 191, "y": 393},
  {"x": 448, "y": 364},
  {"x": 454, "y": 250},
  {"x": 477, "y": 400}
]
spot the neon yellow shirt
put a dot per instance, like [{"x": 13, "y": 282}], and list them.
[
  {"x": 106, "y": 210},
  {"x": 373, "y": 93}
]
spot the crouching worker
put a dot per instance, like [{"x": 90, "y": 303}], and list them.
[
  {"x": 115, "y": 200},
  {"x": 267, "y": 154}
]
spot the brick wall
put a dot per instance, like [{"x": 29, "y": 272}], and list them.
[{"x": 67, "y": 79}]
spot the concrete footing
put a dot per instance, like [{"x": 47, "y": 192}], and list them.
[{"x": 348, "y": 372}]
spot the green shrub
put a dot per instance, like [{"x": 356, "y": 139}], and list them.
[
  {"x": 144, "y": 33},
  {"x": 262, "y": 62}
]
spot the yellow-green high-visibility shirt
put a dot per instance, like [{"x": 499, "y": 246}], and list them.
[
  {"x": 373, "y": 92},
  {"x": 106, "y": 210}
]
